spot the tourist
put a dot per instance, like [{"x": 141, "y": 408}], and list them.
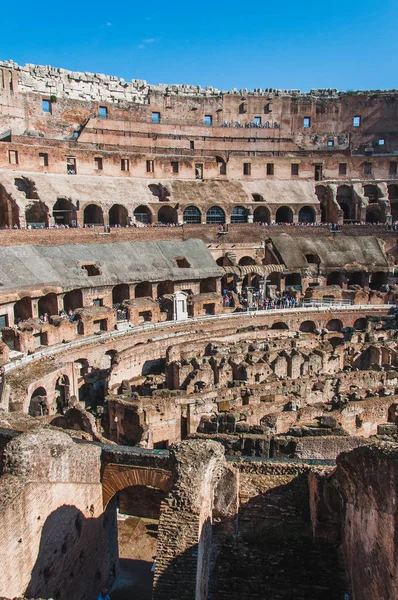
[{"x": 104, "y": 595}]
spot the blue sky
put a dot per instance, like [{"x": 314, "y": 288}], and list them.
[{"x": 347, "y": 44}]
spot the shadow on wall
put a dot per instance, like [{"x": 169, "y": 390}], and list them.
[
  {"x": 77, "y": 556},
  {"x": 267, "y": 551}
]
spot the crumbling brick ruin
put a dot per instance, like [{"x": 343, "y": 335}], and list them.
[{"x": 199, "y": 340}]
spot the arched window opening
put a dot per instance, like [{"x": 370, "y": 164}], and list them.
[
  {"x": 375, "y": 214},
  {"x": 164, "y": 288},
  {"x": 143, "y": 215},
  {"x": 23, "y": 309},
  {"x": 120, "y": 293},
  {"x": 261, "y": 215},
  {"x": 118, "y": 215},
  {"x": 356, "y": 278},
  {"x": 378, "y": 279},
  {"x": 224, "y": 261},
  {"x": 306, "y": 215},
  {"x": 393, "y": 197},
  {"x": 280, "y": 325},
  {"x": 239, "y": 214},
  {"x": 62, "y": 393},
  {"x": 371, "y": 192},
  {"x": 143, "y": 290},
  {"x": 167, "y": 215},
  {"x": 38, "y": 406},
  {"x": 257, "y": 198},
  {"x": 246, "y": 260},
  {"x": 48, "y": 305},
  {"x": 9, "y": 211},
  {"x": 284, "y": 214},
  {"x": 360, "y": 324},
  {"x": 335, "y": 278},
  {"x": 334, "y": 325},
  {"x": 345, "y": 199},
  {"x": 37, "y": 215},
  {"x": 307, "y": 327},
  {"x": 73, "y": 300},
  {"x": 215, "y": 216},
  {"x": 192, "y": 216},
  {"x": 222, "y": 165},
  {"x": 64, "y": 212},
  {"x": 293, "y": 281},
  {"x": 93, "y": 215}
]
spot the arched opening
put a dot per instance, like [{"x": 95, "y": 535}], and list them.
[
  {"x": 64, "y": 212},
  {"x": 9, "y": 211},
  {"x": 120, "y": 293},
  {"x": 136, "y": 494},
  {"x": 306, "y": 215},
  {"x": 228, "y": 282},
  {"x": 37, "y": 215},
  {"x": 48, "y": 305},
  {"x": 356, "y": 278},
  {"x": 345, "y": 200},
  {"x": 118, "y": 215},
  {"x": 62, "y": 393},
  {"x": 280, "y": 325},
  {"x": 375, "y": 214},
  {"x": 215, "y": 216},
  {"x": 274, "y": 279},
  {"x": 222, "y": 165},
  {"x": 371, "y": 192},
  {"x": 38, "y": 405},
  {"x": 73, "y": 300},
  {"x": 360, "y": 324},
  {"x": 257, "y": 198},
  {"x": 284, "y": 214},
  {"x": 239, "y": 214},
  {"x": 252, "y": 280},
  {"x": 167, "y": 215},
  {"x": 164, "y": 288},
  {"x": 93, "y": 215},
  {"x": 247, "y": 260},
  {"x": 293, "y": 281},
  {"x": 208, "y": 285},
  {"x": 378, "y": 279},
  {"x": 261, "y": 214},
  {"x": 143, "y": 290},
  {"x": 192, "y": 216},
  {"x": 142, "y": 214},
  {"x": 334, "y": 325},
  {"x": 23, "y": 309},
  {"x": 393, "y": 197},
  {"x": 224, "y": 261},
  {"x": 307, "y": 327},
  {"x": 335, "y": 278}
]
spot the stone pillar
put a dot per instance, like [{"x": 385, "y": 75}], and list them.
[
  {"x": 35, "y": 308},
  {"x": 185, "y": 524}
]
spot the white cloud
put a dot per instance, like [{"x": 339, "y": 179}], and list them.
[{"x": 147, "y": 41}]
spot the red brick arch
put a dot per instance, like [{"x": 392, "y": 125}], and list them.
[{"x": 119, "y": 477}]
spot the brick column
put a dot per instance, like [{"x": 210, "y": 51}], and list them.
[{"x": 184, "y": 538}]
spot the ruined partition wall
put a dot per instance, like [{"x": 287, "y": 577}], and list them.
[
  {"x": 357, "y": 507},
  {"x": 55, "y": 539}
]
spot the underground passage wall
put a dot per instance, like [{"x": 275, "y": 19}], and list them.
[{"x": 56, "y": 540}]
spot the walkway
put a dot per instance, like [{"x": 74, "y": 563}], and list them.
[{"x": 147, "y": 327}]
